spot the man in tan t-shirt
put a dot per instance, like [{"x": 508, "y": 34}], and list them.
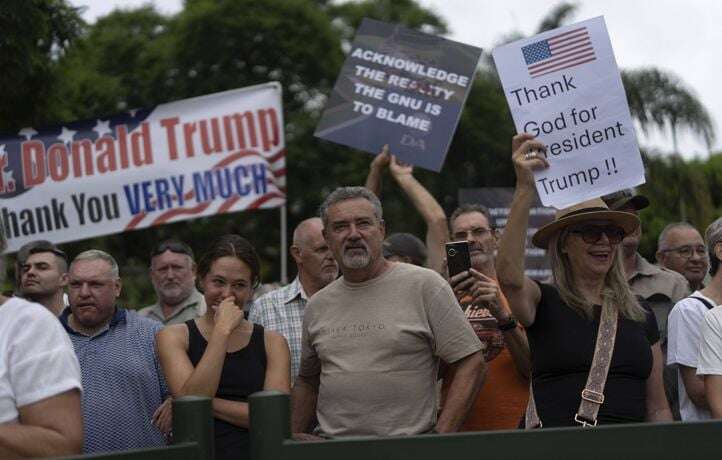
[{"x": 372, "y": 339}]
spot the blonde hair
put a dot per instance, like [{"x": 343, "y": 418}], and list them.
[{"x": 616, "y": 291}]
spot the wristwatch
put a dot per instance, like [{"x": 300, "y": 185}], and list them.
[{"x": 508, "y": 325}]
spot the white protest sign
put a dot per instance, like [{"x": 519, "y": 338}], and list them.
[{"x": 564, "y": 87}]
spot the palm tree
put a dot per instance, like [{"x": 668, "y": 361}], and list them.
[{"x": 656, "y": 98}]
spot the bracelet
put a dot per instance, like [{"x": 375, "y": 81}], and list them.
[{"x": 508, "y": 325}]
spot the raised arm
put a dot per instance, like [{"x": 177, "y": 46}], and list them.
[
  {"x": 523, "y": 294},
  {"x": 437, "y": 230},
  {"x": 373, "y": 180}
]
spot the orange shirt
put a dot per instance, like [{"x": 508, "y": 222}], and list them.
[{"x": 503, "y": 397}]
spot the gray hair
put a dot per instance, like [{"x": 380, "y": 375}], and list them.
[
  {"x": 349, "y": 193},
  {"x": 662, "y": 240},
  {"x": 97, "y": 254},
  {"x": 712, "y": 236}
]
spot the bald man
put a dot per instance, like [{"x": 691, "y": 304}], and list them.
[{"x": 282, "y": 310}]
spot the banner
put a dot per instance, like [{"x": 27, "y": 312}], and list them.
[
  {"x": 498, "y": 200},
  {"x": 403, "y": 88},
  {"x": 213, "y": 154},
  {"x": 564, "y": 87}
]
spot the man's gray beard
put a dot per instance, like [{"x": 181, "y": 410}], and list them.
[{"x": 356, "y": 261}]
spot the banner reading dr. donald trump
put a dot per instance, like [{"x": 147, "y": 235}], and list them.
[{"x": 213, "y": 154}]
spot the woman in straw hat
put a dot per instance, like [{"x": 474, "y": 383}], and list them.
[{"x": 562, "y": 319}]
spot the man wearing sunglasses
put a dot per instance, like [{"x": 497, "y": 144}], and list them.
[
  {"x": 42, "y": 273},
  {"x": 173, "y": 274},
  {"x": 681, "y": 249}
]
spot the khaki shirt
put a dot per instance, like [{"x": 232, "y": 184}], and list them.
[
  {"x": 193, "y": 307},
  {"x": 660, "y": 287}
]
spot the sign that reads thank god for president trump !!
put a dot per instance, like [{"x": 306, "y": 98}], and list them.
[
  {"x": 403, "y": 88},
  {"x": 564, "y": 87}
]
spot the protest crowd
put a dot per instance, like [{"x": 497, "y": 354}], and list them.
[
  {"x": 373, "y": 337},
  {"x": 380, "y": 333}
]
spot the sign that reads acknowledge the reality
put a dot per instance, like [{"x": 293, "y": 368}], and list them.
[
  {"x": 403, "y": 88},
  {"x": 564, "y": 87},
  {"x": 214, "y": 154}
]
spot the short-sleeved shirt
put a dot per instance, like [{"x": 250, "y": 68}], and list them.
[
  {"x": 36, "y": 357},
  {"x": 377, "y": 346},
  {"x": 660, "y": 288},
  {"x": 123, "y": 383},
  {"x": 503, "y": 398},
  {"x": 193, "y": 307},
  {"x": 710, "y": 344},
  {"x": 562, "y": 343},
  {"x": 683, "y": 338},
  {"x": 281, "y": 310}
]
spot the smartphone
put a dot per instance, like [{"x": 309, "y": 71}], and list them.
[{"x": 457, "y": 257}]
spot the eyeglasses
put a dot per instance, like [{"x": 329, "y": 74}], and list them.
[
  {"x": 593, "y": 233},
  {"x": 476, "y": 232},
  {"x": 172, "y": 246},
  {"x": 687, "y": 251}
]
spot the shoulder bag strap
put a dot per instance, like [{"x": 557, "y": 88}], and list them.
[
  {"x": 593, "y": 392},
  {"x": 704, "y": 301}
]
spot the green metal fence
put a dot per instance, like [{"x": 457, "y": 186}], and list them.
[
  {"x": 192, "y": 435},
  {"x": 270, "y": 440}
]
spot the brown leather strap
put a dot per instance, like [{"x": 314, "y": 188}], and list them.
[
  {"x": 531, "y": 417},
  {"x": 593, "y": 392}
]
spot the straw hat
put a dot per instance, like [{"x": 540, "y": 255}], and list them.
[{"x": 595, "y": 209}]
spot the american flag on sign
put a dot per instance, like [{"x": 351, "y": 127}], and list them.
[{"x": 562, "y": 51}]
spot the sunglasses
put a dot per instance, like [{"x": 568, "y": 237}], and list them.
[
  {"x": 172, "y": 246},
  {"x": 593, "y": 233}
]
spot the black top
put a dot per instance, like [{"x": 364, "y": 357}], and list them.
[
  {"x": 243, "y": 374},
  {"x": 562, "y": 346}
]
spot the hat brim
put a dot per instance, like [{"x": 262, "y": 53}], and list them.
[{"x": 628, "y": 221}]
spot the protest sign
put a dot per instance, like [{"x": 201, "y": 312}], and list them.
[
  {"x": 214, "y": 154},
  {"x": 498, "y": 200},
  {"x": 403, "y": 88},
  {"x": 564, "y": 87}
]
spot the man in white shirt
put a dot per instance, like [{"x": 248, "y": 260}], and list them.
[
  {"x": 709, "y": 363},
  {"x": 40, "y": 413},
  {"x": 684, "y": 325}
]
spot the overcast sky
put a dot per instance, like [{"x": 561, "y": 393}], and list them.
[{"x": 679, "y": 36}]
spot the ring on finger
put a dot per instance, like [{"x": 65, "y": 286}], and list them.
[{"x": 529, "y": 155}]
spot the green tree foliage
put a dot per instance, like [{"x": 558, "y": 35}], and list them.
[
  {"x": 140, "y": 58},
  {"x": 35, "y": 33}
]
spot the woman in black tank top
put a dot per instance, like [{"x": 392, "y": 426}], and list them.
[
  {"x": 221, "y": 354},
  {"x": 595, "y": 349}
]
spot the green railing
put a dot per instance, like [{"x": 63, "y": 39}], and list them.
[
  {"x": 270, "y": 440},
  {"x": 192, "y": 435}
]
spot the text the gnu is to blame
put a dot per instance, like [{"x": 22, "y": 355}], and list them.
[{"x": 426, "y": 90}]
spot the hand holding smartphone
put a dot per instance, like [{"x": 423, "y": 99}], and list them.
[{"x": 457, "y": 257}]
